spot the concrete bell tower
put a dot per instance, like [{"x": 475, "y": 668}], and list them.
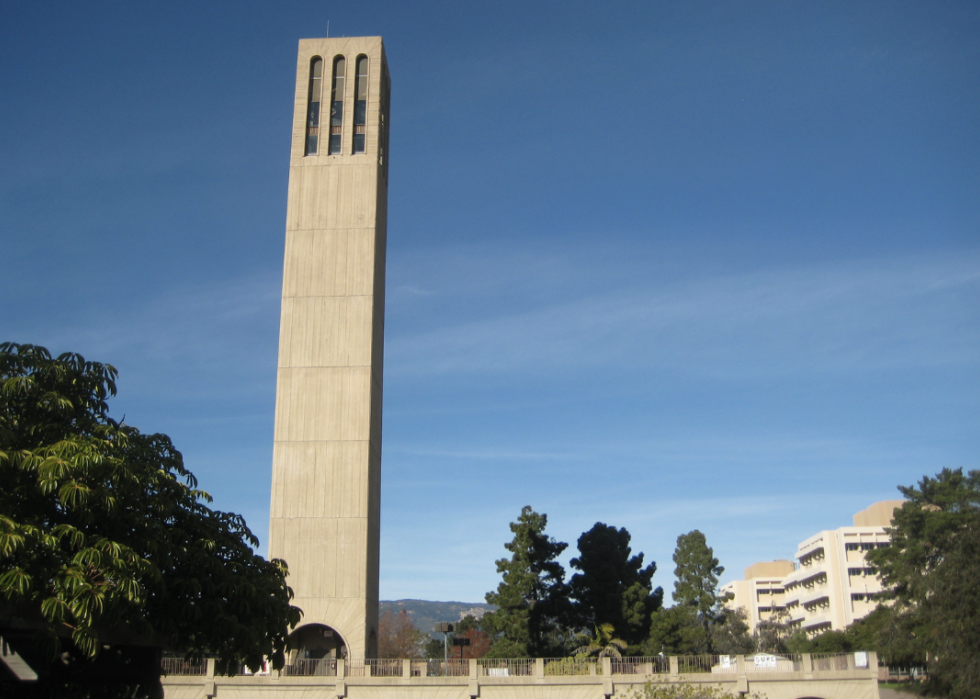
[{"x": 326, "y": 469}]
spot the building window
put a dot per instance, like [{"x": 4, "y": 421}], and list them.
[
  {"x": 337, "y": 105},
  {"x": 313, "y": 108},
  {"x": 360, "y": 103}
]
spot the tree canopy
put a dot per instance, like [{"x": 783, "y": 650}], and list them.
[
  {"x": 104, "y": 536},
  {"x": 603, "y": 644},
  {"x": 398, "y": 637},
  {"x": 613, "y": 586},
  {"x": 532, "y": 597},
  {"x": 932, "y": 572}
]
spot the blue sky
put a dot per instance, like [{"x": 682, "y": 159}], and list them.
[{"x": 666, "y": 266}]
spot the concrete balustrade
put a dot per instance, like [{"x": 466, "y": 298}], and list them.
[{"x": 786, "y": 677}]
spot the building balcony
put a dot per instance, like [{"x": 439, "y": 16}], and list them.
[
  {"x": 802, "y": 574},
  {"x": 819, "y": 620},
  {"x": 813, "y": 597}
]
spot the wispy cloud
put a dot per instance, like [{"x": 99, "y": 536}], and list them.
[
  {"x": 211, "y": 330},
  {"x": 853, "y": 316},
  {"x": 483, "y": 454}
]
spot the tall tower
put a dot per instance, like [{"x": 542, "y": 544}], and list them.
[{"x": 326, "y": 467}]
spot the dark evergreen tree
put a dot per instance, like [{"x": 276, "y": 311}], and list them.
[
  {"x": 532, "y": 597},
  {"x": 613, "y": 586},
  {"x": 696, "y": 587},
  {"x": 932, "y": 572}
]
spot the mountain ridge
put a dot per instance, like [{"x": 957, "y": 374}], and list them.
[{"x": 426, "y": 613}]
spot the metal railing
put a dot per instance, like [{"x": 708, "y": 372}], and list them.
[
  {"x": 905, "y": 672},
  {"x": 696, "y": 664},
  {"x": 447, "y": 668},
  {"x": 308, "y": 667},
  {"x": 828, "y": 662},
  {"x": 385, "y": 667},
  {"x": 501, "y": 667},
  {"x": 180, "y": 666},
  {"x": 561, "y": 667},
  {"x": 656, "y": 665}
]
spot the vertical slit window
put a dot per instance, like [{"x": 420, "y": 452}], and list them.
[
  {"x": 360, "y": 103},
  {"x": 337, "y": 105},
  {"x": 384, "y": 100},
  {"x": 313, "y": 108}
]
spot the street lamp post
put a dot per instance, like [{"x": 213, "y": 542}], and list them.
[{"x": 445, "y": 628}]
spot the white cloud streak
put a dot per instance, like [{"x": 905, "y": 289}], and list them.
[{"x": 841, "y": 317}]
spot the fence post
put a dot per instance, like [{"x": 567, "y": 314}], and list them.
[
  {"x": 474, "y": 680},
  {"x": 341, "y": 668},
  {"x": 873, "y": 667},
  {"x": 209, "y": 672},
  {"x": 606, "y": 667},
  {"x": 539, "y": 668},
  {"x": 807, "y": 665},
  {"x": 675, "y": 669},
  {"x": 406, "y": 667}
]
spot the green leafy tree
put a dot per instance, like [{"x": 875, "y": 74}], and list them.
[
  {"x": 730, "y": 633},
  {"x": 932, "y": 573},
  {"x": 532, "y": 597},
  {"x": 659, "y": 689},
  {"x": 603, "y": 644},
  {"x": 772, "y": 635},
  {"x": 670, "y": 631},
  {"x": 882, "y": 631},
  {"x": 831, "y": 641},
  {"x": 104, "y": 537},
  {"x": 613, "y": 586},
  {"x": 434, "y": 649},
  {"x": 696, "y": 586}
]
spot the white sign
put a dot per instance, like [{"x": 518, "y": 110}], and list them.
[
  {"x": 860, "y": 659},
  {"x": 766, "y": 661},
  {"x": 726, "y": 661}
]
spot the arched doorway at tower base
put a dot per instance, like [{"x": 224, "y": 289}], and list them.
[{"x": 315, "y": 642}]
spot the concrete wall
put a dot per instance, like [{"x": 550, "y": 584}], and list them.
[
  {"x": 878, "y": 515},
  {"x": 809, "y": 681}
]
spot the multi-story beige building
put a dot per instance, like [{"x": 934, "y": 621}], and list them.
[
  {"x": 761, "y": 592},
  {"x": 830, "y": 586},
  {"x": 326, "y": 464}
]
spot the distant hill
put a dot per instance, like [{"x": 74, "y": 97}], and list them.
[{"x": 426, "y": 614}]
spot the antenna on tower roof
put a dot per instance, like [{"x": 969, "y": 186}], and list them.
[{"x": 328, "y": 28}]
